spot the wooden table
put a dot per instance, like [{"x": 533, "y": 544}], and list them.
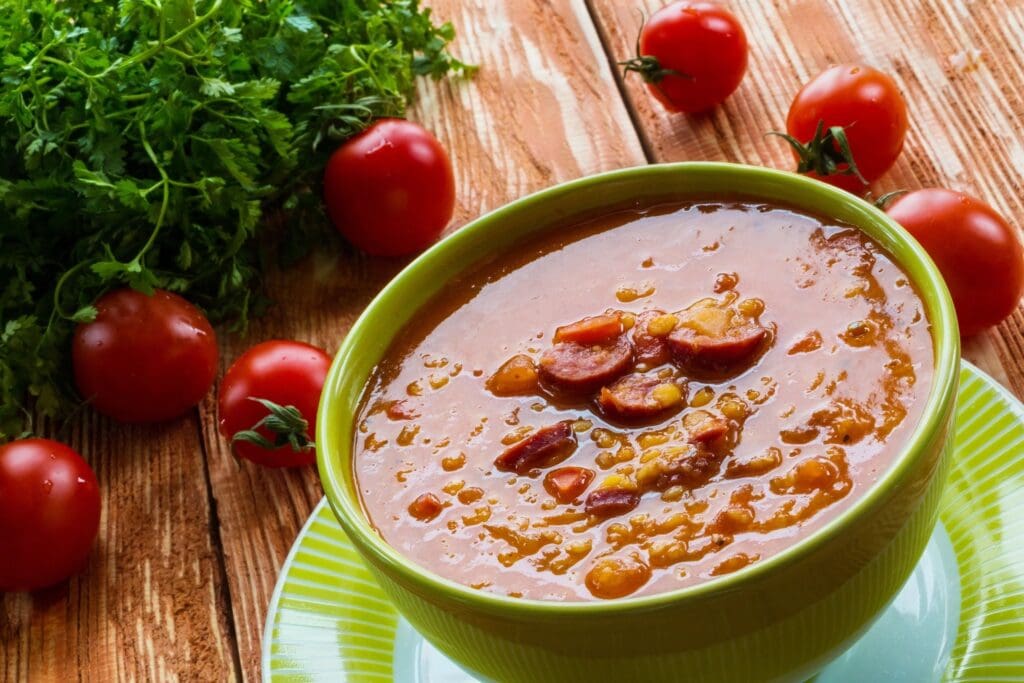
[{"x": 191, "y": 540}]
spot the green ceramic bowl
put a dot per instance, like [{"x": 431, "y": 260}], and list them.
[{"x": 781, "y": 619}]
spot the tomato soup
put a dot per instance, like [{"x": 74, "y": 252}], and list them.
[{"x": 642, "y": 401}]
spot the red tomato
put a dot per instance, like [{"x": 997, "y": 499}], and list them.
[
  {"x": 144, "y": 358},
  {"x": 49, "y": 513},
  {"x": 692, "y": 54},
  {"x": 390, "y": 190},
  {"x": 867, "y": 105},
  {"x": 979, "y": 254},
  {"x": 288, "y": 374}
]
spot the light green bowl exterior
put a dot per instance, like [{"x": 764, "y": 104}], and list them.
[{"x": 780, "y": 619}]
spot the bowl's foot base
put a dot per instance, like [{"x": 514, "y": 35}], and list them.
[{"x": 911, "y": 641}]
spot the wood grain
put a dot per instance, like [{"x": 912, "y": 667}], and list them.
[
  {"x": 958, "y": 65},
  {"x": 151, "y": 604},
  {"x": 192, "y": 540},
  {"x": 513, "y": 129}
]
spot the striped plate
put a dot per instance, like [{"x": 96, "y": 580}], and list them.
[{"x": 329, "y": 621}]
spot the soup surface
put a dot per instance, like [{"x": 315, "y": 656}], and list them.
[{"x": 642, "y": 401}]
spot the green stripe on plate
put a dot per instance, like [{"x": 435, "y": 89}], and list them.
[{"x": 329, "y": 621}]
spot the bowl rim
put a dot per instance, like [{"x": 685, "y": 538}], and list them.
[{"x": 906, "y": 252}]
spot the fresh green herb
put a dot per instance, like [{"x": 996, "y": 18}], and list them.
[
  {"x": 827, "y": 153},
  {"x": 143, "y": 142},
  {"x": 284, "y": 422}
]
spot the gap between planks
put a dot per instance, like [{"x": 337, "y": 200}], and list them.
[
  {"x": 218, "y": 551},
  {"x": 620, "y": 83}
]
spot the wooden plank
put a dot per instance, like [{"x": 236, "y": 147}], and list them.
[
  {"x": 958, "y": 65},
  {"x": 151, "y": 604},
  {"x": 544, "y": 108}
]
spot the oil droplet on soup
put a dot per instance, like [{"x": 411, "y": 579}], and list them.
[{"x": 659, "y": 397}]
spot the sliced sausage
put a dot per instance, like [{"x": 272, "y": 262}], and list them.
[
  {"x": 716, "y": 334},
  {"x": 610, "y": 502},
  {"x": 637, "y": 395},
  {"x": 738, "y": 344},
  {"x": 573, "y": 367},
  {"x": 539, "y": 448},
  {"x": 598, "y": 329},
  {"x": 651, "y": 350}
]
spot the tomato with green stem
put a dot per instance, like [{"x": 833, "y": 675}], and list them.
[
  {"x": 977, "y": 251},
  {"x": 268, "y": 402},
  {"x": 847, "y": 126},
  {"x": 144, "y": 357},
  {"x": 692, "y": 55},
  {"x": 49, "y": 513}
]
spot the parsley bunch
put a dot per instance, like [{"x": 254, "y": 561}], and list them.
[{"x": 142, "y": 142}]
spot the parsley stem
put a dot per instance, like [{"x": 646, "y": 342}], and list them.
[
  {"x": 240, "y": 98},
  {"x": 166, "y": 182},
  {"x": 146, "y": 54},
  {"x": 60, "y": 285},
  {"x": 70, "y": 67},
  {"x": 181, "y": 55},
  {"x": 358, "y": 58}
]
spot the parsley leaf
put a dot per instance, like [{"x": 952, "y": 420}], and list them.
[{"x": 144, "y": 143}]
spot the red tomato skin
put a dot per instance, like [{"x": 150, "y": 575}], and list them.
[
  {"x": 144, "y": 358},
  {"x": 867, "y": 104},
  {"x": 699, "y": 39},
  {"x": 977, "y": 251},
  {"x": 49, "y": 513},
  {"x": 285, "y": 372},
  {"x": 390, "y": 190}
]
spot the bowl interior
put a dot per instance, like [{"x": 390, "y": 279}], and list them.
[{"x": 370, "y": 337}]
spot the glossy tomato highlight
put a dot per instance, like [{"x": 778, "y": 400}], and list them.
[
  {"x": 288, "y": 374},
  {"x": 145, "y": 358},
  {"x": 866, "y": 105},
  {"x": 692, "y": 55},
  {"x": 49, "y": 513},
  {"x": 390, "y": 190},
  {"x": 977, "y": 251}
]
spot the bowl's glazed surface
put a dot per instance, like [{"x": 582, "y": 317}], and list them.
[{"x": 779, "y": 619}]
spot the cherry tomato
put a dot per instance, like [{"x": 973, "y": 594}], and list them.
[
  {"x": 144, "y": 358},
  {"x": 288, "y": 374},
  {"x": 978, "y": 253},
  {"x": 692, "y": 54},
  {"x": 390, "y": 190},
  {"x": 866, "y": 104},
  {"x": 49, "y": 513}
]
